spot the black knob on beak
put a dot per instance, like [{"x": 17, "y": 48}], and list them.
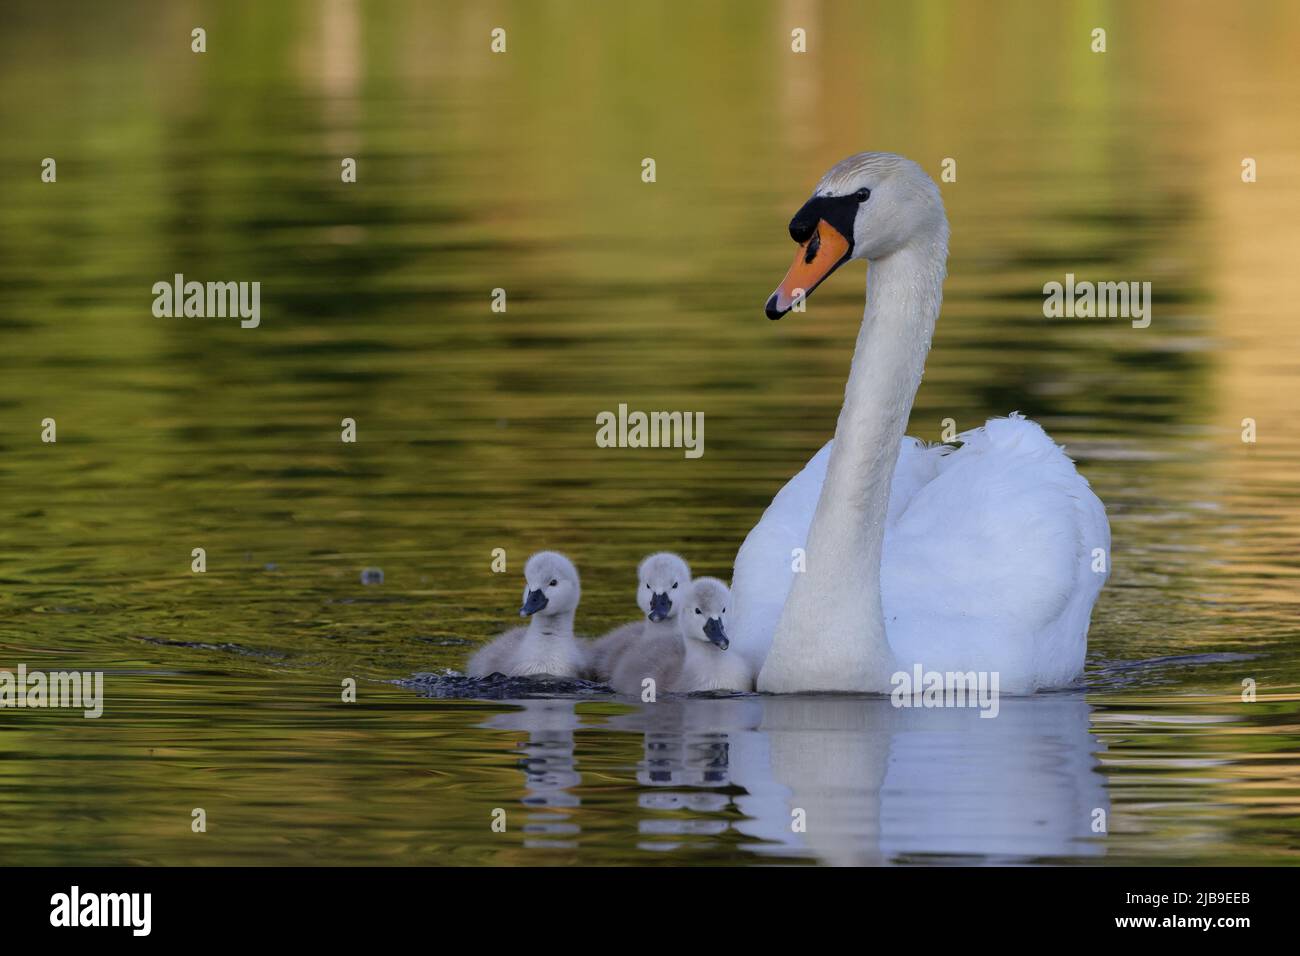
[{"x": 802, "y": 226}]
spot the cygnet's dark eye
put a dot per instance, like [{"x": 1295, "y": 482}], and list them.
[
  {"x": 862, "y": 195},
  {"x": 697, "y": 610},
  {"x": 647, "y": 587},
  {"x": 554, "y": 582},
  {"x": 674, "y": 585}
]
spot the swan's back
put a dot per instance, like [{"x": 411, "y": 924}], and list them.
[{"x": 989, "y": 567}]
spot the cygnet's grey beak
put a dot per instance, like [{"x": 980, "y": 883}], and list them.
[
  {"x": 714, "y": 632},
  {"x": 660, "y": 606},
  {"x": 535, "y": 601}
]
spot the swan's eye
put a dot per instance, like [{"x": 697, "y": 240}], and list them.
[
  {"x": 862, "y": 195},
  {"x": 554, "y": 582},
  {"x": 647, "y": 587},
  {"x": 697, "y": 610},
  {"x": 674, "y": 585}
]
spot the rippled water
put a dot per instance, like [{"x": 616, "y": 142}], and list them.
[{"x": 476, "y": 429}]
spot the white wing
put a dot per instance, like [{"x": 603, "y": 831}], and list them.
[{"x": 987, "y": 560}]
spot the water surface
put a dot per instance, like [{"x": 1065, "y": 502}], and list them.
[{"x": 476, "y": 429}]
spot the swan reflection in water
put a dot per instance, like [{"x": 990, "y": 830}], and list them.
[
  {"x": 550, "y": 776},
  {"x": 874, "y": 783}
]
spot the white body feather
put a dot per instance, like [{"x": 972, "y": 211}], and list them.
[{"x": 987, "y": 562}]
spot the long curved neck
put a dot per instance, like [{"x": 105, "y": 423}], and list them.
[
  {"x": 904, "y": 291},
  {"x": 831, "y": 635}
]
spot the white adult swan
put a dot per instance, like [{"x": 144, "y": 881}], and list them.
[{"x": 979, "y": 558}]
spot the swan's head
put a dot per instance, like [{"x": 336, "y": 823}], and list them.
[
  {"x": 662, "y": 580},
  {"x": 867, "y": 207},
  {"x": 550, "y": 585},
  {"x": 704, "y": 613}
]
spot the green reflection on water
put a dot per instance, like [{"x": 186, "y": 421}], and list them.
[{"x": 477, "y": 428}]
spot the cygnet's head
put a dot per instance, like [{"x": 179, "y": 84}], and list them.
[
  {"x": 550, "y": 585},
  {"x": 662, "y": 580},
  {"x": 867, "y": 207},
  {"x": 704, "y": 615}
]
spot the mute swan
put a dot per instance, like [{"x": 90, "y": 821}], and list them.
[
  {"x": 661, "y": 584},
  {"x": 546, "y": 645},
  {"x": 973, "y": 558},
  {"x": 708, "y": 665},
  {"x": 657, "y": 657},
  {"x": 693, "y": 658}
]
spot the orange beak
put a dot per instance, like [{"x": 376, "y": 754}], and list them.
[{"x": 817, "y": 258}]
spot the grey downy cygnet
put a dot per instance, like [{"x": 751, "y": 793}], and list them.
[
  {"x": 695, "y": 658},
  {"x": 547, "y": 645},
  {"x": 662, "y": 580}
]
